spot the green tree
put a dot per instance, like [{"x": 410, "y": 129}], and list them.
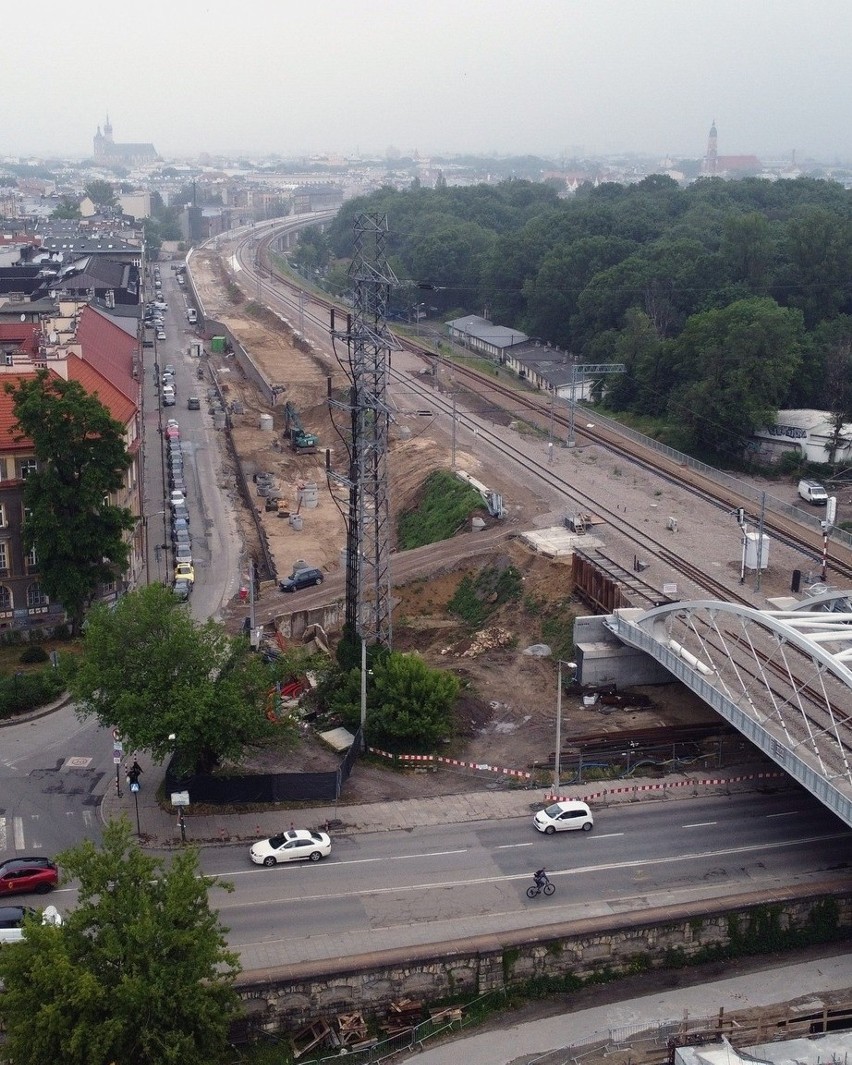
[
  {"x": 748, "y": 250},
  {"x": 735, "y": 366},
  {"x": 409, "y": 705},
  {"x": 139, "y": 972},
  {"x": 101, "y": 193},
  {"x": 66, "y": 208},
  {"x": 412, "y": 703},
  {"x": 154, "y": 672},
  {"x": 78, "y": 535},
  {"x": 819, "y": 261}
]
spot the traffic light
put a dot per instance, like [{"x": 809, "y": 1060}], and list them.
[{"x": 740, "y": 513}]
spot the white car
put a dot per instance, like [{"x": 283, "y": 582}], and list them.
[
  {"x": 12, "y": 921},
  {"x": 564, "y": 817},
  {"x": 291, "y": 846}
]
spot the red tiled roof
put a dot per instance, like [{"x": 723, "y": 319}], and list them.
[
  {"x": 8, "y": 440},
  {"x": 24, "y": 334},
  {"x": 119, "y": 406},
  {"x": 109, "y": 349}
]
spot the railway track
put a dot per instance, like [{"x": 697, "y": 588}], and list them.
[{"x": 544, "y": 415}]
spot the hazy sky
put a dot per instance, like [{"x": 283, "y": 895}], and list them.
[{"x": 545, "y": 77}]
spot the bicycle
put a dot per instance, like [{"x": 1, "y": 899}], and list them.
[{"x": 546, "y": 888}]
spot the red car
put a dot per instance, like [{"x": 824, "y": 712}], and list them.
[{"x": 19, "y": 876}]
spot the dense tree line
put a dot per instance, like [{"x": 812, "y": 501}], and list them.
[{"x": 725, "y": 300}]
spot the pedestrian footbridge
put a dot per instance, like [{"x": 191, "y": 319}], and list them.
[{"x": 783, "y": 678}]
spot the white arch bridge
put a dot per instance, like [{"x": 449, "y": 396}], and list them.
[{"x": 783, "y": 678}]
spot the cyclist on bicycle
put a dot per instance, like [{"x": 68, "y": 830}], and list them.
[{"x": 540, "y": 878}]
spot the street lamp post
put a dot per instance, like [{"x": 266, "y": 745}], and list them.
[
  {"x": 557, "y": 758},
  {"x": 363, "y": 695}
]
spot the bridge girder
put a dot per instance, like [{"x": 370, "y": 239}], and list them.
[{"x": 782, "y": 677}]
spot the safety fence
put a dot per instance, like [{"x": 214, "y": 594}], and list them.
[{"x": 436, "y": 759}]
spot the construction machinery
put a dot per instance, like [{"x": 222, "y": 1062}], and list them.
[{"x": 301, "y": 441}]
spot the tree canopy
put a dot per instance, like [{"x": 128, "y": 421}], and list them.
[
  {"x": 577, "y": 271},
  {"x": 77, "y": 533},
  {"x": 139, "y": 972},
  {"x": 154, "y": 672},
  {"x": 409, "y": 704},
  {"x": 101, "y": 193}
]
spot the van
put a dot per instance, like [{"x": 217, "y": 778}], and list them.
[
  {"x": 191, "y": 315},
  {"x": 813, "y": 492}
]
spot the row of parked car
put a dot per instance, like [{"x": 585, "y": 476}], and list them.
[
  {"x": 177, "y": 504},
  {"x": 26, "y": 876}
]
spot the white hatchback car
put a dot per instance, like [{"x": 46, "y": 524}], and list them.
[
  {"x": 564, "y": 817},
  {"x": 291, "y": 846}
]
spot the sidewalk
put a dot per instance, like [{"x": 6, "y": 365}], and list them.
[
  {"x": 159, "y": 828},
  {"x": 528, "y": 1040}
]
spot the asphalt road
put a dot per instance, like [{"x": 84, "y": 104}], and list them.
[
  {"x": 397, "y": 889},
  {"x": 53, "y": 772},
  {"x": 212, "y": 524}
]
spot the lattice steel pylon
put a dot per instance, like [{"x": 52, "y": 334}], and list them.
[{"x": 369, "y": 343}]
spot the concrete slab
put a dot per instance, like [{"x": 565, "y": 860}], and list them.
[
  {"x": 339, "y": 739},
  {"x": 559, "y": 542}
]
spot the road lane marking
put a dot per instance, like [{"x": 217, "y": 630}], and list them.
[
  {"x": 606, "y": 835},
  {"x": 19, "y": 833},
  {"x": 788, "y": 813},
  {"x": 400, "y": 857},
  {"x": 701, "y": 824},
  {"x": 512, "y": 846},
  {"x": 347, "y": 861},
  {"x": 508, "y": 878}
]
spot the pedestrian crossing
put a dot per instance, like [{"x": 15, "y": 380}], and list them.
[{"x": 27, "y": 834}]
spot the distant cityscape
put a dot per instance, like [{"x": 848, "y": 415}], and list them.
[{"x": 235, "y": 190}]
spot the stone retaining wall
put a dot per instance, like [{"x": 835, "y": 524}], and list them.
[{"x": 280, "y": 999}]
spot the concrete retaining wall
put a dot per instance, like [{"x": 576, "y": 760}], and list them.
[
  {"x": 280, "y": 999},
  {"x": 602, "y": 659}
]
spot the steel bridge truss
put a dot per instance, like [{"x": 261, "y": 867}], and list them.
[{"x": 783, "y": 678}]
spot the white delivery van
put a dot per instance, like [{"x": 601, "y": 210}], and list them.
[
  {"x": 813, "y": 492},
  {"x": 191, "y": 315}
]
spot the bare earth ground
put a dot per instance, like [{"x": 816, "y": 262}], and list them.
[{"x": 506, "y": 716}]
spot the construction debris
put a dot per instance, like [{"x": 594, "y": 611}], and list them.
[
  {"x": 402, "y": 1015},
  {"x": 312, "y": 1035},
  {"x": 352, "y": 1032}
]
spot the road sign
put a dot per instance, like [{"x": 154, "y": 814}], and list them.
[
  {"x": 180, "y": 798},
  {"x": 116, "y": 757},
  {"x": 116, "y": 735}
]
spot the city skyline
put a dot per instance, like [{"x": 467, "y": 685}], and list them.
[{"x": 552, "y": 78}]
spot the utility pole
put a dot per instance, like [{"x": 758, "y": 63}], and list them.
[
  {"x": 369, "y": 343},
  {"x": 590, "y": 369}
]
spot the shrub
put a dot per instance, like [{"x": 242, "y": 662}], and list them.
[
  {"x": 25, "y": 691},
  {"x": 33, "y": 653}
]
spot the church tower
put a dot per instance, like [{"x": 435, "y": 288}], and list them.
[
  {"x": 711, "y": 157},
  {"x": 108, "y": 130}
]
